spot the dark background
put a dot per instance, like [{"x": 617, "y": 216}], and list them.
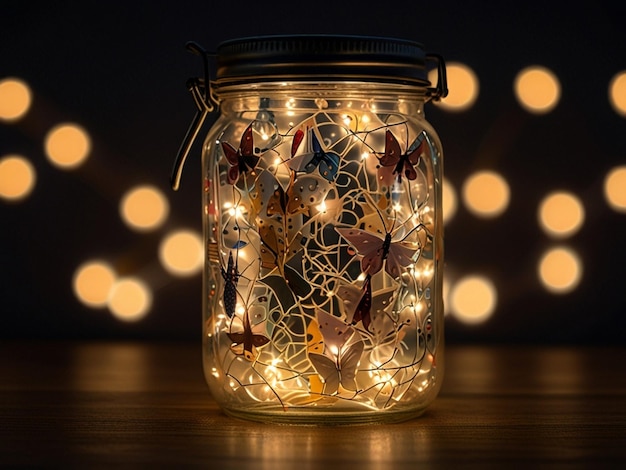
[{"x": 119, "y": 70}]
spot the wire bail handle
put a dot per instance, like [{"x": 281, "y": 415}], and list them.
[
  {"x": 201, "y": 92},
  {"x": 440, "y": 90}
]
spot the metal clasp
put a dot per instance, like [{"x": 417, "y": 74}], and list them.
[
  {"x": 441, "y": 89},
  {"x": 200, "y": 89}
]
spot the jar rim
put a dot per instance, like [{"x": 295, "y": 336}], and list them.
[{"x": 315, "y": 57}]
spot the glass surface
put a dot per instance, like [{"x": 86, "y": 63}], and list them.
[{"x": 322, "y": 287}]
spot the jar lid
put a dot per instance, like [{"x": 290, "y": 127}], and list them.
[{"x": 321, "y": 57}]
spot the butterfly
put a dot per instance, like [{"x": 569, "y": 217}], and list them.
[
  {"x": 360, "y": 305},
  {"x": 335, "y": 350},
  {"x": 314, "y": 157},
  {"x": 231, "y": 277},
  {"x": 269, "y": 202},
  {"x": 246, "y": 341},
  {"x": 363, "y": 310},
  {"x": 242, "y": 159},
  {"x": 376, "y": 251},
  {"x": 394, "y": 162}
]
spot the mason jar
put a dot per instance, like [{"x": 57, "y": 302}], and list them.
[{"x": 322, "y": 217}]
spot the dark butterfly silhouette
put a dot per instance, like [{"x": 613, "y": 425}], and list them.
[
  {"x": 314, "y": 157},
  {"x": 231, "y": 277},
  {"x": 246, "y": 342},
  {"x": 335, "y": 350},
  {"x": 376, "y": 251},
  {"x": 394, "y": 163},
  {"x": 243, "y": 159},
  {"x": 362, "y": 313}
]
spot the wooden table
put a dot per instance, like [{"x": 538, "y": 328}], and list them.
[{"x": 89, "y": 405}]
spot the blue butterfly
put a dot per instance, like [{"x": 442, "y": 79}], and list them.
[{"x": 315, "y": 157}]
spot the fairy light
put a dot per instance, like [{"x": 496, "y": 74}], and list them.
[
  {"x": 321, "y": 207},
  {"x": 561, "y": 214},
  {"x": 144, "y": 208},
  {"x": 420, "y": 274},
  {"x": 130, "y": 299},
  {"x": 473, "y": 299},
  {"x": 486, "y": 194},
  {"x": 181, "y": 253},
  {"x": 560, "y": 270},
  {"x": 615, "y": 188},
  {"x": 15, "y": 99},
  {"x": 537, "y": 89},
  {"x": 17, "y": 178},
  {"x": 92, "y": 283},
  {"x": 67, "y": 146},
  {"x": 617, "y": 93}
]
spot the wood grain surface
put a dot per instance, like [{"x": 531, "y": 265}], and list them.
[{"x": 129, "y": 405}]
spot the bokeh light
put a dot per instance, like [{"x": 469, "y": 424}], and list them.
[
  {"x": 15, "y": 99},
  {"x": 181, "y": 253},
  {"x": 561, "y": 214},
  {"x": 17, "y": 177},
  {"x": 560, "y": 270},
  {"x": 130, "y": 299},
  {"x": 449, "y": 201},
  {"x": 67, "y": 146},
  {"x": 473, "y": 299},
  {"x": 615, "y": 188},
  {"x": 486, "y": 194},
  {"x": 463, "y": 87},
  {"x": 144, "y": 208},
  {"x": 617, "y": 93},
  {"x": 93, "y": 281},
  {"x": 537, "y": 89}
]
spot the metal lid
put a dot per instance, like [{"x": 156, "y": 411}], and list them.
[{"x": 318, "y": 57}]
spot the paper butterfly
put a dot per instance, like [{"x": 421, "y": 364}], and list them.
[
  {"x": 360, "y": 305},
  {"x": 231, "y": 277},
  {"x": 394, "y": 163},
  {"x": 334, "y": 349},
  {"x": 242, "y": 159},
  {"x": 246, "y": 342},
  {"x": 362, "y": 312},
  {"x": 315, "y": 157},
  {"x": 376, "y": 251}
]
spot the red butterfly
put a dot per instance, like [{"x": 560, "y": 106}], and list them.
[
  {"x": 242, "y": 159},
  {"x": 394, "y": 162},
  {"x": 376, "y": 251}
]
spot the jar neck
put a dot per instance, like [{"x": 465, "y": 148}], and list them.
[{"x": 329, "y": 96}]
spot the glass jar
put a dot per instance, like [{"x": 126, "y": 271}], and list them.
[{"x": 322, "y": 298}]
